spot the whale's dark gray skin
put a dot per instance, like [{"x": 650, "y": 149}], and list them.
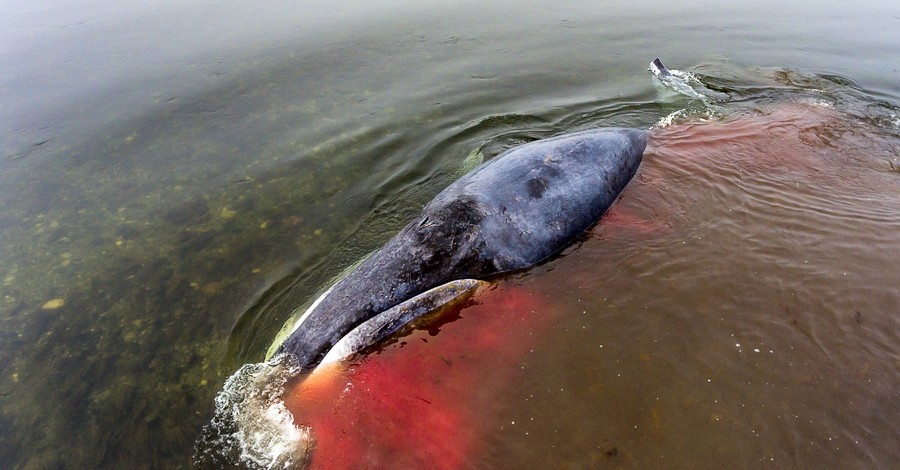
[{"x": 509, "y": 213}]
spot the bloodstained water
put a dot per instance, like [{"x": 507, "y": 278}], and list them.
[{"x": 417, "y": 403}]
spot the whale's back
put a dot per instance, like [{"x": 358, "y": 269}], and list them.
[
  {"x": 536, "y": 198},
  {"x": 509, "y": 213}
]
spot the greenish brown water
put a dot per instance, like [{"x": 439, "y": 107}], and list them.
[{"x": 178, "y": 177}]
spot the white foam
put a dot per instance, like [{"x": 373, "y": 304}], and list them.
[
  {"x": 680, "y": 82},
  {"x": 668, "y": 120},
  {"x": 818, "y": 102},
  {"x": 251, "y": 422},
  {"x": 706, "y": 113},
  {"x": 683, "y": 83}
]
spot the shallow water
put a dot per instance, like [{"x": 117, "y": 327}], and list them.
[{"x": 178, "y": 177}]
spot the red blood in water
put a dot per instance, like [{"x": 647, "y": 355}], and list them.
[
  {"x": 421, "y": 403},
  {"x": 424, "y": 402},
  {"x": 622, "y": 217}
]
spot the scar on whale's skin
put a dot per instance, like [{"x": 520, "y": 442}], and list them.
[{"x": 420, "y": 403}]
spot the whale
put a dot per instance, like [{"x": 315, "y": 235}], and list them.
[{"x": 510, "y": 213}]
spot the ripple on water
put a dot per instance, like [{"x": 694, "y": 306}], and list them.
[{"x": 783, "y": 227}]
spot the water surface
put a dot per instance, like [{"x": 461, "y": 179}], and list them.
[{"x": 177, "y": 177}]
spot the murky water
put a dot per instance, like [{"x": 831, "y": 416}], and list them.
[{"x": 178, "y": 177}]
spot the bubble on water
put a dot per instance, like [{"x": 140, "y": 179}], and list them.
[{"x": 251, "y": 426}]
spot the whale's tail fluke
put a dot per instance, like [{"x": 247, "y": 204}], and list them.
[
  {"x": 686, "y": 84},
  {"x": 680, "y": 82},
  {"x": 659, "y": 69}
]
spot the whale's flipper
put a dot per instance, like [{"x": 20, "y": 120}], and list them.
[
  {"x": 385, "y": 324},
  {"x": 659, "y": 69}
]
